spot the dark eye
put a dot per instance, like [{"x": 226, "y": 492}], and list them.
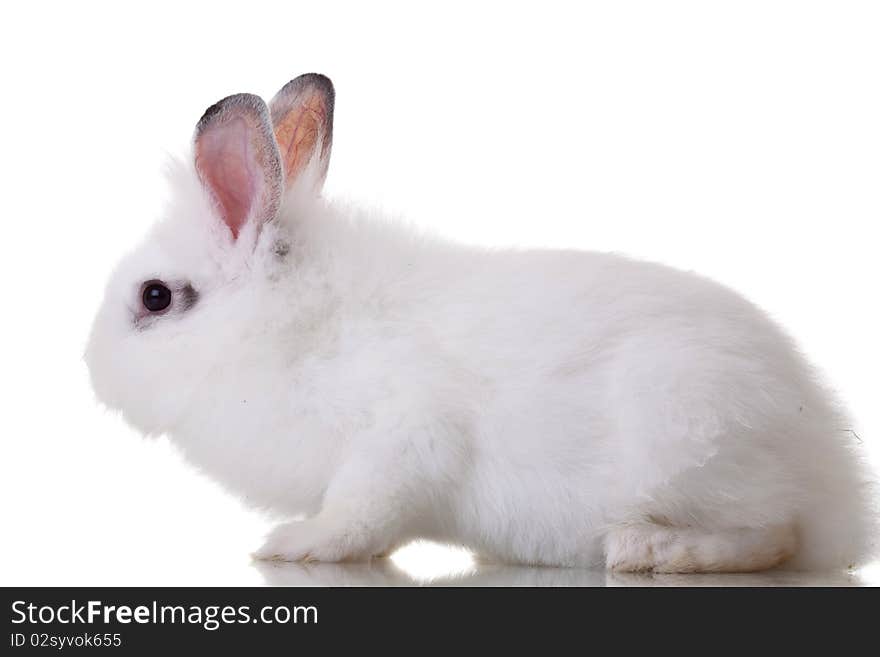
[{"x": 157, "y": 297}]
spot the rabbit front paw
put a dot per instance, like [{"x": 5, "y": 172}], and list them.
[{"x": 314, "y": 540}]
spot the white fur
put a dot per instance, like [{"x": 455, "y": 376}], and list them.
[{"x": 531, "y": 405}]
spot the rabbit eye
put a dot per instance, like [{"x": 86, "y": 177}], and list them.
[{"x": 156, "y": 296}]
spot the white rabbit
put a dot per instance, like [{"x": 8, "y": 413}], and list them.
[{"x": 541, "y": 407}]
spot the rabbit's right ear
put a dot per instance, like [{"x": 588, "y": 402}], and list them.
[{"x": 302, "y": 118}]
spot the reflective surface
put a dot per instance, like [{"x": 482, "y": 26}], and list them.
[{"x": 385, "y": 572}]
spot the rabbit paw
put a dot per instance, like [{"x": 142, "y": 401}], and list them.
[{"x": 313, "y": 540}]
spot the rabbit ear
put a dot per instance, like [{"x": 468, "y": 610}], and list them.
[
  {"x": 302, "y": 116},
  {"x": 238, "y": 161}
]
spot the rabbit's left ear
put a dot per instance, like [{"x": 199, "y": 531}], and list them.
[{"x": 302, "y": 118}]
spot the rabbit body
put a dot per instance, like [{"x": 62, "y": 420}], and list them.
[{"x": 541, "y": 407}]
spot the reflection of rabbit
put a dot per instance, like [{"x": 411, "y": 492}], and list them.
[
  {"x": 774, "y": 578},
  {"x": 543, "y": 407},
  {"x": 383, "y": 572}
]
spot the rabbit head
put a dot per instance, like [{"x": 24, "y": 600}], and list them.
[{"x": 184, "y": 304}]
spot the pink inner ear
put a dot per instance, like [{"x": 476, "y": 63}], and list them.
[{"x": 225, "y": 158}]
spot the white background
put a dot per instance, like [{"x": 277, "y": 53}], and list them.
[{"x": 739, "y": 139}]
